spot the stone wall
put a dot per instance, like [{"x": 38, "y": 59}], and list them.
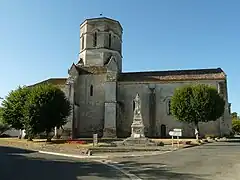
[
  {"x": 65, "y": 89},
  {"x": 90, "y": 115},
  {"x": 99, "y": 40},
  {"x": 163, "y": 92}
]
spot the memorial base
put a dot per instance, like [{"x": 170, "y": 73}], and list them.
[{"x": 131, "y": 141}]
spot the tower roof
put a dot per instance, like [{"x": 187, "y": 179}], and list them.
[{"x": 101, "y": 19}]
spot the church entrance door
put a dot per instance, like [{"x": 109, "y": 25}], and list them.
[{"x": 163, "y": 131}]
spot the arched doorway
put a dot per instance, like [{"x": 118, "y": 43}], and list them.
[{"x": 163, "y": 131}]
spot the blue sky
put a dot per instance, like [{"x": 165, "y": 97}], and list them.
[{"x": 39, "y": 39}]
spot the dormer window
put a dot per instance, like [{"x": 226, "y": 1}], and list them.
[
  {"x": 110, "y": 40},
  {"x": 95, "y": 39}
]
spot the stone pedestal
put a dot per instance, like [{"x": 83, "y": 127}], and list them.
[
  {"x": 138, "y": 142},
  {"x": 137, "y": 126}
]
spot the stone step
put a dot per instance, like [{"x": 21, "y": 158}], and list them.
[{"x": 129, "y": 149}]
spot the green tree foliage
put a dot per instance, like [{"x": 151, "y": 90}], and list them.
[
  {"x": 197, "y": 103},
  {"x": 3, "y": 127},
  {"x": 236, "y": 126},
  {"x": 234, "y": 115},
  {"x": 46, "y": 107},
  {"x": 13, "y": 107}
]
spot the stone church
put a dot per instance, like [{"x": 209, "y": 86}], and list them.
[{"x": 102, "y": 94}]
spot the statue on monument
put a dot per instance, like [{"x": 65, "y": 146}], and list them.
[
  {"x": 137, "y": 101},
  {"x": 137, "y": 124},
  {"x": 137, "y": 128}
]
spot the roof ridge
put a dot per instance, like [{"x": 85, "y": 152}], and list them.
[{"x": 218, "y": 70}]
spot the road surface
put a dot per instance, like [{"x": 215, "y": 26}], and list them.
[
  {"x": 17, "y": 164},
  {"x": 215, "y": 161}
]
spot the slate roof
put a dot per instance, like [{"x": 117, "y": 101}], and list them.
[{"x": 174, "y": 75}]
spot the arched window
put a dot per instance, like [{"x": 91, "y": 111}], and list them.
[
  {"x": 82, "y": 41},
  {"x": 169, "y": 107},
  {"x": 95, "y": 39},
  {"x": 133, "y": 103},
  {"x": 91, "y": 90},
  {"x": 110, "y": 40}
]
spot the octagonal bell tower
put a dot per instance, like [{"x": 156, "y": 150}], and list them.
[{"x": 100, "y": 40}]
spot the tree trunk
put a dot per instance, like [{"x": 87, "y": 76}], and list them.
[
  {"x": 56, "y": 135},
  {"x": 48, "y": 137},
  {"x": 196, "y": 129},
  {"x": 20, "y": 134}
]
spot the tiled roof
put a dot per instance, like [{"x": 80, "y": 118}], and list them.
[
  {"x": 91, "y": 70},
  {"x": 54, "y": 81},
  {"x": 101, "y": 19},
  {"x": 174, "y": 75}
]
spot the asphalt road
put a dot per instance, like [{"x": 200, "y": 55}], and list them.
[
  {"x": 215, "y": 161},
  {"x": 18, "y": 164}
]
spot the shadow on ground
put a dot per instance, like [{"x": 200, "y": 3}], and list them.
[
  {"x": 221, "y": 144},
  {"x": 156, "y": 171},
  {"x": 27, "y": 165},
  {"x": 22, "y": 164}
]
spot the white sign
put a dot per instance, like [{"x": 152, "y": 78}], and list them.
[{"x": 175, "y": 133}]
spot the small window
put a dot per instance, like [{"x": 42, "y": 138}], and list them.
[
  {"x": 110, "y": 40},
  {"x": 91, "y": 90},
  {"x": 169, "y": 107},
  {"x": 82, "y": 41},
  {"x": 95, "y": 39}
]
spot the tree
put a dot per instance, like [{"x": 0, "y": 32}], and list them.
[
  {"x": 46, "y": 108},
  {"x": 236, "y": 126},
  {"x": 3, "y": 127},
  {"x": 234, "y": 115},
  {"x": 197, "y": 103},
  {"x": 13, "y": 106}
]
